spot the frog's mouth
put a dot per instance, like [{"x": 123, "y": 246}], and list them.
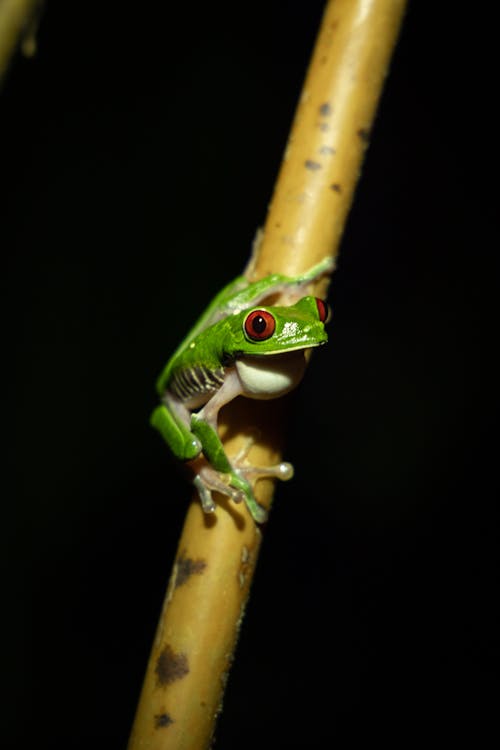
[
  {"x": 275, "y": 353},
  {"x": 266, "y": 377}
]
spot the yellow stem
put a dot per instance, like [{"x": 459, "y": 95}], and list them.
[
  {"x": 18, "y": 21},
  {"x": 205, "y": 601}
]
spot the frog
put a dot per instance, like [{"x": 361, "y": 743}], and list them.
[{"x": 240, "y": 346}]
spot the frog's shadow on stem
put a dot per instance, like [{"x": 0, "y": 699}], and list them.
[{"x": 260, "y": 420}]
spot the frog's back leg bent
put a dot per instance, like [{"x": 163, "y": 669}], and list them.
[
  {"x": 275, "y": 283},
  {"x": 184, "y": 445}
]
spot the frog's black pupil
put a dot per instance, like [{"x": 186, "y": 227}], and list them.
[{"x": 259, "y": 324}]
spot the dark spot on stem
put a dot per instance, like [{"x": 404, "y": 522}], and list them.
[
  {"x": 163, "y": 720},
  {"x": 337, "y": 187},
  {"x": 171, "y": 666},
  {"x": 312, "y": 165},
  {"x": 186, "y": 567},
  {"x": 325, "y": 110},
  {"x": 364, "y": 134}
]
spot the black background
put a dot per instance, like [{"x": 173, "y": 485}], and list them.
[{"x": 139, "y": 151}]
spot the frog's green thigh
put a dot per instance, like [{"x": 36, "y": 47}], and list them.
[{"x": 183, "y": 444}]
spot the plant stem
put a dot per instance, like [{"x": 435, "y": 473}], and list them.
[
  {"x": 206, "y": 597},
  {"x": 18, "y": 23}
]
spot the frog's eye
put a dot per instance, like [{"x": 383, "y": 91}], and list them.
[
  {"x": 259, "y": 325},
  {"x": 324, "y": 311}
]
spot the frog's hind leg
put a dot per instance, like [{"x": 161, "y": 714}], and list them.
[
  {"x": 289, "y": 288},
  {"x": 173, "y": 426}
]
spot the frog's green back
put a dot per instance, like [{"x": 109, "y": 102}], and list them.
[{"x": 200, "y": 350}]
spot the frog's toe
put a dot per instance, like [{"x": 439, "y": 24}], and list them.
[
  {"x": 258, "y": 513},
  {"x": 206, "y": 499},
  {"x": 248, "y": 442},
  {"x": 282, "y": 471},
  {"x": 238, "y": 496},
  {"x": 209, "y": 480},
  {"x": 234, "y": 486}
]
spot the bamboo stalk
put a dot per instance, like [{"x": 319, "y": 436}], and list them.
[
  {"x": 216, "y": 557},
  {"x": 18, "y": 25}
]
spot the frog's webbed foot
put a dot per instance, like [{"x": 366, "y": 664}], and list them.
[
  {"x": 209, "y": 480},
  {"x": 237, "y": 484},
  {"x": 232, "y": 485},
  {"x": 282, "y": 470}
]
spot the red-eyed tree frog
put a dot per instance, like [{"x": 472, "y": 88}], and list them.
[{"x": 239, "y": 347}]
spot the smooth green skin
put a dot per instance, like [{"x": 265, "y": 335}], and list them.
[{"x": 218, "y": 338}]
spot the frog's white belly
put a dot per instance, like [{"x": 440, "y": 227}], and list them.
[{"x": 270, "y": 376}]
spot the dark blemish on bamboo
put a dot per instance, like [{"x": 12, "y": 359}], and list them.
[
  {"x": 163, "y": 720},
  {"x": 364, "y": 134},
  {"x": 325, "y": 110},
  {"x": 186, "y": 567},
  {"x": 337, "y": 187},
  {"x": 312, "y": 165},
  {"x": 171, "y": 666}
]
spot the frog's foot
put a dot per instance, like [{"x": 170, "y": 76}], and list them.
[
  {"x": 300, "y": 286},
  {"x": 232, "y": 485},
  {"x": 210, "y": 480},
  {"x": 282, "y": 470}
]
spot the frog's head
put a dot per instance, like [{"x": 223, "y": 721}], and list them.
[
  {"x": 276, "y": 330},
  {"x": 267, "y": 345}
]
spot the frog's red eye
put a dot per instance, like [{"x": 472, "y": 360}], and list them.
[
  {"x": 323, "y": 310},
  {"x": 259, "y": 325}
]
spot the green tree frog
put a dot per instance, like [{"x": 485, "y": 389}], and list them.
[{"x": 239, "y": 347}]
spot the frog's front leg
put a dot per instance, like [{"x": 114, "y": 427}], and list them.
[{"x": 220, "y": 475}]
